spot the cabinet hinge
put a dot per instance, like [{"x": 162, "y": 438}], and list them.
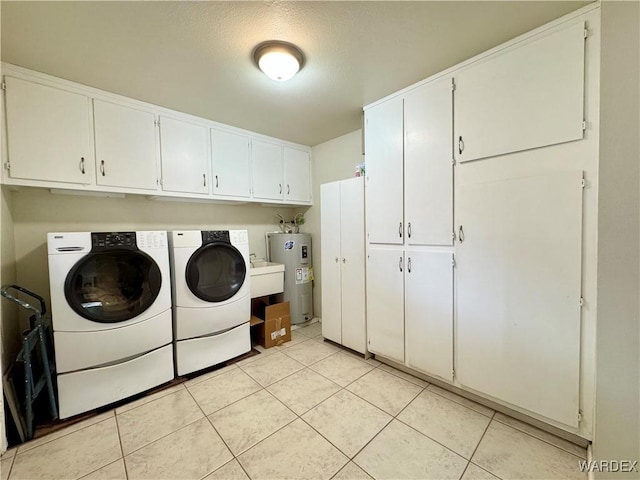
[
  {"x": 453, "y": 237},
  {"x": 586, "y": 33},
  {"x": 158, "y": 181},
  {"x": 4, "y": 85},
  {"x": 7, "y": 165},
  {"x": 453, "y": 261},
  {"x": 582, "y": 301},
  {"x": 453, "y": 162},
  {"x": 579, "y": 416},
  {"x": 453, "y": 84},
  {"x": 584, "y": 125},
  {"x": 156, "y": 123},
  {"x": 453, "y": 373},
  {"x": 583, "y": 183}
]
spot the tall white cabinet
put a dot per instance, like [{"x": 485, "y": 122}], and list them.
[
  {"x": 489, "y": 283},
  {"x": 342, "y": 250},
  {"x": 409, "y": 193}
]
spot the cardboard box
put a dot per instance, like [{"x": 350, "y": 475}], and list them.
[{"x": 270, "y": 324}]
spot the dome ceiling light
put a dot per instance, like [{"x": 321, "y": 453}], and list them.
[{"x": 278, "y": 60}]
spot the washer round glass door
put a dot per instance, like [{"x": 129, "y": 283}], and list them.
[
  {"x": 113, "y": 285},
  {"x": 215, "y": 272}
]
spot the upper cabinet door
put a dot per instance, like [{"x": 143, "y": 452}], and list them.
[
  {"x": 126, "y": 146},
  {"x": 231, "y": 173},
  {"x": 266, "y": 170},
  {"x": 185, "y": 156},
  {"x": 48, "y": 133},
  {"x": 297, "y": 175},
  {"x": 428, "y": 166},
  {"x": 383, "y": 155},
  {"x": 524, "y": 97}
]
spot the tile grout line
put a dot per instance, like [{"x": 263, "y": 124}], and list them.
[
  {"x": 478, "y": 445},
  {"x": 13, "y": 460},
  {"x": 124, "y": 463}
]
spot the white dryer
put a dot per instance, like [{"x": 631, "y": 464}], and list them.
[
  {"x": 111, "y": 315},
  {"x": 212, "y": 297}
]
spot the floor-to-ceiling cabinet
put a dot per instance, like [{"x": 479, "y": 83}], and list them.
[
  {"x": 409, "y": 239},
  {"x": 487, "y": 283}
]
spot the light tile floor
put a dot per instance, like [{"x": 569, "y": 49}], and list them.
[{"x": 305, "y": 410}]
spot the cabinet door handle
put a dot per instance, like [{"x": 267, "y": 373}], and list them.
[
  {"x": 409, "y": 229},
  {"x": 344, "y": 260},
  {"x": 102, "y": 169},
  {"x": 216, "y": 181},
  {"x": 400, "y": 263},
  {"x": 204, "y": 179},
  {"x": 409, "y": 265},
  {"x": 400, "y": 230},
  {"x": 460, "y": 145},
  {"x": 280, "y": 185},
  {"x": 288, "y": 189},
  {"x": 337, "y": 259},
  {"x": 460, "y": 234},
  {"x": 82, "y": 165}
]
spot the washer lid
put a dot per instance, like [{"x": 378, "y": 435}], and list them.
[
  {"x": 216, "y": 271},
  {"x": 113, "y": 285}
]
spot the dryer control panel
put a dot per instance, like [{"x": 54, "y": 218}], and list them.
[
  {"x": 209, "y": 236},
  {"x": 113, "y": 240}
]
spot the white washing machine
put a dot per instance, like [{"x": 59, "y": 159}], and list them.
[
  {"x": 111, "y": 315},
  {"x": 212, "y": 297}
]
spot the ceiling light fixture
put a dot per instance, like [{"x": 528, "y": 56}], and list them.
[{"x": 278, "y": 60}]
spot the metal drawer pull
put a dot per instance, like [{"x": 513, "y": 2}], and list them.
[
  {"x": 409, "y": 265},
  {"x": 460, "y": 234},
  {"x": 460, "y": 145},
  {"x": 204, "y": 180},
  {"x": 288, "y": 189},
  {"x": 102, "y": 169},
  {"x": 400, "y": 230},
  {"x": 82, "y": 165},
  {"x": 280, "y": 185},
  {"x": 400, "y": 264},
  {"x": 337, "y": 259},
  {"x": 344, "y": 260},
  {"x": 409, "y": 229},
  {"x": 216, "y": 181}
]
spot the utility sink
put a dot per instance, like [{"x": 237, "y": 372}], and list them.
[{"x": 267, "y": 278}]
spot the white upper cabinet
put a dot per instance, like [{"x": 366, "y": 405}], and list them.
[
  {"x": 126, "y": 146},
  {"x": 385, "y": 303},
  {"x": 48, "y": 133},
  {"x": 184, "y": 152},
  {"x": 429, "y": 312},
  {"x": 524, "y": 97},
  {"x": 267, "y": 170},
  {"x": 231, "y": 172},
  {"x": 384, "y": 167},
  {"x": 428, "y": 164},
  {"x": 297, "y": 175}
]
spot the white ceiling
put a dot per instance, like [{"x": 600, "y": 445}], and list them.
[{"x": 196, "y": 56}]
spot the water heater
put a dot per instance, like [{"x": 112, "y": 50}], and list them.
[{"x": 294, "y": 251}]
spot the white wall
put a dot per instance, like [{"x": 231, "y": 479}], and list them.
[
  {"x": 617, "y": 427},
  {"x": 36, "y": 212},
  {"x": 332, "y": 160}
]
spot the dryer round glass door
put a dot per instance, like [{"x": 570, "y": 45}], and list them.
[
  {"x": 113, "y": 285},
  {"x": 215, "y": 272}
]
